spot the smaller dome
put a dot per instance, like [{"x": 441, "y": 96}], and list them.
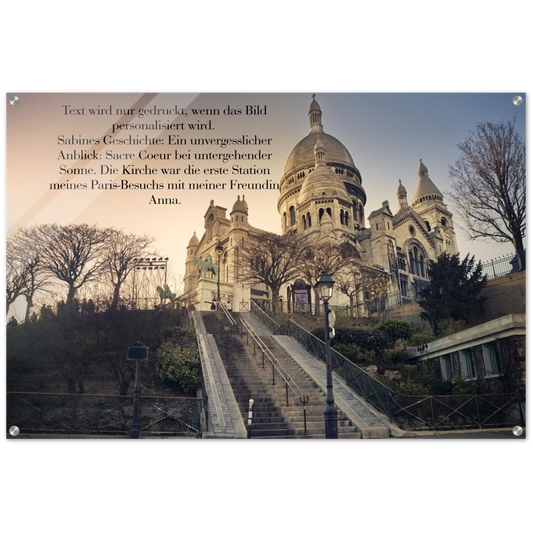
[
  {"x": 402, "y": 191},
  {"x": 240, "y": 205},
  {"x": 314, "y": 105},
  {"x": 194, "y": 240},
  {"x": 322, "y": 181}
]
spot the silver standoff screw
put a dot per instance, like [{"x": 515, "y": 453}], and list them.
[
  {"x": 14, "y": 431},
  {"x": 517, "y": 431},
  {"x": 517, "y": 100},
  {"x": 14, "y": 100}
]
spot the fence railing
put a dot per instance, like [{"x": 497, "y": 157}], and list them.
[
  {"x": 410, "y": 412},
  {"x": 501, "y": 266},
  {"x": 87, "y": 414}
]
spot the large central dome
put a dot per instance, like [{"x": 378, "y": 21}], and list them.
[
  {"x": 336, "y": 178},
  {"x": 303, "y": 157}
]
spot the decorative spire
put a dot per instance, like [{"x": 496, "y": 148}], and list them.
[
  {"x": 422, "y": 169},
  {"x": 320, "y": 152},
  {"x": 426, "y": 190},
  {"x": 315, "y": 117},
  {"x": 402, "y": 195}
]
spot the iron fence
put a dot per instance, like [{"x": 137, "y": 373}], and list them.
[
  {"x": 501, "y": 266},
  {"x": 410, "y": 412},
  {"x": 459, "y": 412},
  {"x": 87, "y": 414}
]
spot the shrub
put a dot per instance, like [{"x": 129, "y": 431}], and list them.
[
  {"x": 444, "y": 388},
  {"x": 418, "y": 339},
  {"x": 364, "y": 344},
  {"x": 411, "y": 383},
  {"x": 397, "y": 329},
  {"x": 461, "y": 386},
  {"x": 350, "y": 351},
  {"x": 395, "y": 357},
  {"x": 182, "y": 336},
  {"x": 179, "y": 366},
  {"x": 318, "y": 332},
  {"x": 366, "y": 340},
  {"x": 412, "y": 388}
]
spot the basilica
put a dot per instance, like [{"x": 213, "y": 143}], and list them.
[{"x": 322, "y": 196}]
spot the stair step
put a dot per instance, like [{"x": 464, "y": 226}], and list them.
[{"x": 251, "y": 378}]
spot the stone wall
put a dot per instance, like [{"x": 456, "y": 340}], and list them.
[{"x": 505, "y": 295}]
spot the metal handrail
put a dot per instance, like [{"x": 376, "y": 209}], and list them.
[
  {"x": 228, "y": 314},
  {"x": 268, "y": 321},
  {"x": 275, "y": 363}
]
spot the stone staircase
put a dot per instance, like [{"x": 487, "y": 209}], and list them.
[{"x": 251, "y": 379}]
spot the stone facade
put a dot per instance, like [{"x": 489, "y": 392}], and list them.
[
  {"x": 212, "y": 265},
  {"x": 322, "y": 195}
]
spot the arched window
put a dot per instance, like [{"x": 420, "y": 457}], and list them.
[
  {"x": 422, "y": 265},
  {"x": 308, "y": 220},
  {"x": 342, "y": 217},
  {"x": 304, "y": 221},
  {"x": 292, "y": 215},
  {"x": 411, "y": 262},
  {"x": 416, "y": 261},
  {"x": 320, "y": 214}
]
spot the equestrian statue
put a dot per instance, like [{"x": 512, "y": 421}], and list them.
[
  {"x": 207, "y": 265},
  {"x": 165, "y": 294}
]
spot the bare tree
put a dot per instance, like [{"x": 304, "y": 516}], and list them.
[
  {"x": 272, "y": 259},
  {"x": 325, "y": 255},
  {"x": 25, "y": 269},
  {"x": 489, "y": 185},
  {"x": 16, "y": 278},
  {"x": 350, "y": 282},
  {"x": 120, "y": 251},
  {"x": 72, "y": 253},
  {"x": 376, "y": 287}
]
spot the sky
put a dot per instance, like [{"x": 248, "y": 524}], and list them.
[{"x": 386, "y": 134}]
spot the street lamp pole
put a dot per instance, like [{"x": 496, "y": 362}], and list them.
[
  {"x": 325, "y": 290},
  {"x": 136, "y": 403},
  {"x": 137, "y": 352}
]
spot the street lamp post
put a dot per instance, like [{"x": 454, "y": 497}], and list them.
[
  {"x": 324, "y": 288},
  {"x": 218, "y": 249},
  {"x": 137, "y": 352}
]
